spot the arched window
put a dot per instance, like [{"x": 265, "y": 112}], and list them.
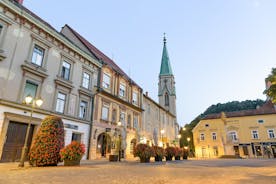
[{"x": 166, "y": 99}]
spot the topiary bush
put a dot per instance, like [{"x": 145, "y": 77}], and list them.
[
  {"x": 48, "y": 142},
  {"x": 144, "y": 152},
  {"x": 170, "y": 153}
]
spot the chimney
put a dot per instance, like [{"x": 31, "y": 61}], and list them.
[
  {"x": 19, "y": 1},
  {"x": 147, "y": 94}
]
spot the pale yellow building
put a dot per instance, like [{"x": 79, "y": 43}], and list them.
[{"x": 248, "y": 134}]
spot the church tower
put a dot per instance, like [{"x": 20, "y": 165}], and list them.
[{"x": 166, "y": 85}]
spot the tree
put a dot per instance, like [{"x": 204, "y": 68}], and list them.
[
  {"x": 48, "y": 142},
  {"x": 271, "y": 91}
]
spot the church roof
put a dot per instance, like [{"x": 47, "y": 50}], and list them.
[{"x": 166, "y": 68}]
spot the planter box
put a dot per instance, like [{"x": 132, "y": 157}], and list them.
[
  {"x": 72, "y": 162},
  {"x": 177, "y": 158},
  {"x": 113, "y": 158}
]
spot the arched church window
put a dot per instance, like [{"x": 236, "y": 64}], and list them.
[{"x": 166, "y": 99}]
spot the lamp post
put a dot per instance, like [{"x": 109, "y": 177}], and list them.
[
  {"x": 179, "y": 137},
  {"x": 162, "y": 132},
  {"x": 119, "y": 124},
  {"x": 188, "y": 139},
  {"x": 34, "y": 102}
]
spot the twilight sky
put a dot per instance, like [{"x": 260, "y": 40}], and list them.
[{"x": 220, "y": 50}]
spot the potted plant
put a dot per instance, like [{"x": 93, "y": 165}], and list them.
[
  {"x": 144, "y": 152},
  {"x": 178, "y": 153},
  {"x": 72, "y": 153},
  {"x": 170, "y": 153},
  {"x": 114, "y": 156},
  {"x": 47, "y": 143},
  {"x": 185, "y": 154},
  {"x": 159, "y": 153}
]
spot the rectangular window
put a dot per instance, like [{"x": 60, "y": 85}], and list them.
[
  {"x": 85, "y": 80},
  {"x": 60, "y": 102},
  {"x": 76, "y": 137},
  {"x": 135, "y": 98},
  {"x": 105, "y": 111},
  {"x": 233, "y": 136},
  {"x": 123, "y": 118},
  {"x": 129, "y": 121},
  {"x": 38, "y": 54},
  {"x": 271, "y": 134},
  {"x": 122, "y": 90},
  {"x": 114, "y": 115},
  {"x": 255, "y": 134},
  {"x": 202, "y": 137},
  {"x": 83, "y": 109},
  {"x": 106, "y": 81},
  {"x": 214, "y": 136},
  {"x": 30, "y": 89},
  {"x": 260, "y": 121},
  {"x": 65, "y": 70},
  {"x": 135, "y": 122}
]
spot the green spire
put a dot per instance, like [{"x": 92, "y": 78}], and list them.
[{"x": 165, "y": 63}]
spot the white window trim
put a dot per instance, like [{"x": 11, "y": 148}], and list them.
[
  {"x": 65, "y": 102},
  {"x": 269, "y": 134},
  {"x": 107, "y": 107},
  {"x": 104, "y": 83},
  {"x": 124, "y": 90},
  {"x": 252, "y": 134},
  {"x": 87, "y": 109},
  {"x": 83, "y": 79}
]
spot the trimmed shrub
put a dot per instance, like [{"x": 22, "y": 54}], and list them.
[
  {"x": 170, "y": 153},
  {"x": 47, "y": 143},
  {"x": 73, "y": 151},
  {"x": 144, "y": 152},
  {"x": 159, "y": 153}
]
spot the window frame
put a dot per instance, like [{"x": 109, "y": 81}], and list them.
[
  {"x": 273, "y": 132},
  {"x": 32, "y": 83},
  {"x": 88, "y": 83},
  {"x": 122, "y": 90},
  {"x": 39, "y": 49},
  {"x": 106, "y": 84},
  {"x": 233, "y": 135},
  {"x": 62, "y": 74},
  {"x": 85, "y": 109},
  {"x": 135, "y": 100},
  {"x": 64, "y": 105},
  {"x": 214, "y": 135},
  {"x": 255, "y": 134},
  {"x": 201, "y": 136},
  {"x": 105, "y": 106}
]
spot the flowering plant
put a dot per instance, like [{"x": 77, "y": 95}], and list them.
[
  {"x": 158, "y": 151},
  {"x": 143, "y": 151},
  {"x": 170, "y": 151},
  {"x": 47, "y": 143},
  {"x": 178, "y": 152},
  {"x": 73, "y": 151}
]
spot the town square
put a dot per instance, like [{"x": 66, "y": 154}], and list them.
[{"x": 137, "y": 92}]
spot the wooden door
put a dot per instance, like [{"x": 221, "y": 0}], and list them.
[{"x": 14, "y": 143}]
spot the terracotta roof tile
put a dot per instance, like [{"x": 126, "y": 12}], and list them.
[{"x": 100, "y": 55}]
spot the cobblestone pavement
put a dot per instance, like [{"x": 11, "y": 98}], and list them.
[{"x": 189, "y": 171}]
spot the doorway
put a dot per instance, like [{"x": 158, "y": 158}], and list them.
[
  {"x": 14, "y": 142},
  {"x": 103, "y": 144}
]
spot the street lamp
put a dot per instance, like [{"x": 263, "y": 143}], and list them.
[
  {"x": 162, "y": 132},
  {"x": 34, "y": 103},
  {"x": 183, "y": 128},
  {"x": 188, "y": 139},
  {"x": 119, "y": 124}
]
